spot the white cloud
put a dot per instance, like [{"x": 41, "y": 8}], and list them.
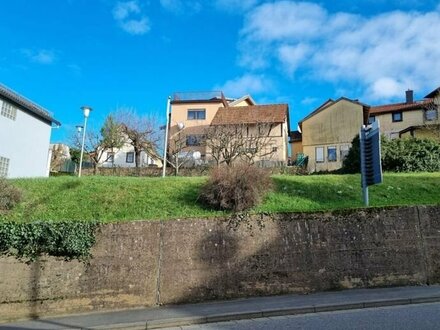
[
  {"x": 124, "y": 12},
  {"x": 123, "y": 9},
  {"x": 181, "y": 6},
  {"x": 132, "y": 26},
  {"x": 294, "y": 56},
  {"x": 383, "y": 54},
  {"x": 41, "y": 56},
  {"x": 246, "y": 84}
]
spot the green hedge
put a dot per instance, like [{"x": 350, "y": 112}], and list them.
[
  {"x": 67, "y": 239},
  {"x": 399, "y": 155},
  {"x": 410, "y": 155}
]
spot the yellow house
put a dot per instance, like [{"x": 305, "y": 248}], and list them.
[
  {"x": 193, "y": 113},
  {"x": 409, "y": 119},
  {"x": 326, "y": 134}
]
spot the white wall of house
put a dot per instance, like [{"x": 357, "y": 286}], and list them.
[
  {"x": 121, "y": 159},
  {"x": 25, "y": 142}
]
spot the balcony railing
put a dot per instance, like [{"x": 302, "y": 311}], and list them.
[{"x": 198, "y": 96}]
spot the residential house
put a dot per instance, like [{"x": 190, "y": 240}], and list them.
[
  {"x": 267, "y": 125},
  {"x": 125, "y": 157},
  {"x": 193, "y": 113},
  {"x": 25, "y": 130},
  {"x": 325, "y": 135},
  {"x": 410, "y": 118}
]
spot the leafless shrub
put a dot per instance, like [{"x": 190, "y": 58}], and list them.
[
  {"x": 9, "y": 195},
  {"x": 235, "y": 188}
]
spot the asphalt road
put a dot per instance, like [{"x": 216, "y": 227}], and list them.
[{"x": 411, "y": 317}]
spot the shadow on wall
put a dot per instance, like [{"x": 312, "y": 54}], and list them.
[{"x": 293, "y": 253}]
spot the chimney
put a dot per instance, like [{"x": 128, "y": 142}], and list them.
[{"x": 409, "y": 96}]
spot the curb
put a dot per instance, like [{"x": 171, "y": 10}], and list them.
[{"x": 235, "y": 316}]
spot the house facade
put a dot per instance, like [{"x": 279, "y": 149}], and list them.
[
  {"x": 125, "y": 157},
  {"x": 25, "y": 130},
  {"x": 325, "y": 135},
  {"x": 193, "y": 114},
  {"x": 410, "y": 118}
]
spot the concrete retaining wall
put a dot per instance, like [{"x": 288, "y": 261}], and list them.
[{"x": 141, "y": 263}]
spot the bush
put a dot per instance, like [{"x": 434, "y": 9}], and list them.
[
  {"x": 9, "y": 195},
  {"x": 410, "y": 155},
  {"x": 399, "y": 155},
  {"x": 235, "y": 188},
  {"x": 352, "y": 163},
  {"x": 68, "y": 239}
]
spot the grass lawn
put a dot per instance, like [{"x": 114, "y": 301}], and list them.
[{"x": 129, "y": 198}]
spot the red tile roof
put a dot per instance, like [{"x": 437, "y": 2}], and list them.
[
  {"x": 270, "y": 113},
  {"x": 395, "y": 107}
]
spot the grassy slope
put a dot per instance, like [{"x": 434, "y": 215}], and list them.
[{"x": 119, "y": 198}]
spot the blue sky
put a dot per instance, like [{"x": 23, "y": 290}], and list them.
[{"x": 63, "y": 54}]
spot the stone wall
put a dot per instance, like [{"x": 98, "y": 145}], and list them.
[{"x": 143, "y": 263}]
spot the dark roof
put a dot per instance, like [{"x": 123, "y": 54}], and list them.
[
  {"x": 433, "y": 93},
  {"x": 270, "y": 113},
  {"x": 27, "y": 104},
  {"x": 329, "y": 103},
  {"x": 397, "y": 107},
  {"x": 295, "y": 136}
]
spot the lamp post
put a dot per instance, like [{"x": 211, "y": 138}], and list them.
[
  {"x": 86, "y": 112},
  {"x": 164, "y": 165}
]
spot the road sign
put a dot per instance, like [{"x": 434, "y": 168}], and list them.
[{"x": 371, "y": 165}]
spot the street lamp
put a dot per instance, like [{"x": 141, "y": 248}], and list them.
[
  {"x": 86, "y": 112},
  {"x": 164, "y": 165}
]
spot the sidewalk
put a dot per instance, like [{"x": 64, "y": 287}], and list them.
[{"x": 172, "y": 316}]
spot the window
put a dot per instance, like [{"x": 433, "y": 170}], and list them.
[
  {"x": 319, "y": 154},
  {"x": 196, "y": 114},
  {"x": 194, "y": 140},
  {"x": 344, "y": 151},
  {"x": 332, "y": 154},
  {"x": 110, "y": 157},
  {"x": 397, "y": 116},
  {"x": 371, "y": 119},
  {"x": 4, "y": 166},
  {"x": 431, "y": 115},
  {"x": 9, "y": 111},
  {"x": 250, "y": 150},
  {"x": 129, "y": 158},
  {"x": 274, "y": 149}
]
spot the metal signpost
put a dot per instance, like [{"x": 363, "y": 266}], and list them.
[{"x": 371, "y": 165}]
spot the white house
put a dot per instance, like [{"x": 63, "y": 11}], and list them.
[
  {"x": 25, "y": 129},
  {"x": 125, "y": 157}
]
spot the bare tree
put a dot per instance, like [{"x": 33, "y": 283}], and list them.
[
  {"x": 229, "y": 143},
  {"x": 94, "y": 146},
  {"x": 225, "y": 143},
  {"x": 258, "y": 143},
  {"x": 112, "y": 136},
  {"x": 140, "y": 132},
  {"x": 177, "y": 156},
  {"x": 60, "y": 153}
]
